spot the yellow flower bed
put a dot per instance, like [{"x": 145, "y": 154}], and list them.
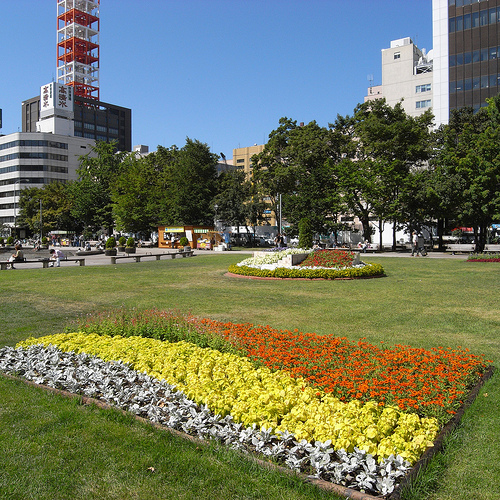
[{"x": 230, "y": 384}]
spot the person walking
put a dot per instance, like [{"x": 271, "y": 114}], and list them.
[
  {"x": 420, "y": 245},
  {"x": 414, "y": 243}
]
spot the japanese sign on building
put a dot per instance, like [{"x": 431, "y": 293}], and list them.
[{"x": 56, "y": 95}]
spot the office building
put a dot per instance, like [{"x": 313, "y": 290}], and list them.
[
  {"x": 466, "y": 38},
  {"x": 63, "y": 122},
  {"x": 406, "y": 77},
  {"x": 81, "y": 117},
  {"x": 242, "y": 158},
  {"x": 32, "y": 160}
]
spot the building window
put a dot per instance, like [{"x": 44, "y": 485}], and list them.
[
  {"x": 240, "y": 161},
  {"x": 467, "y": 22},
  {"x": 423, "y": 88},
  {"x": 483, "y": 17},
  {"x": 475, "y": 19},
  {"x": 423, "y": 104},
  {"x": 397, "y": 55}
]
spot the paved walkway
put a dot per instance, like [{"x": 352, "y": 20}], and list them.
[{"x": 102, "y": 259}]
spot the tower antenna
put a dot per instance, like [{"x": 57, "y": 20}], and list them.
[{"x": 78, "y": 46}]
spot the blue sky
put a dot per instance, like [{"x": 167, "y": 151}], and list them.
[{"x": 219, "y": 71}]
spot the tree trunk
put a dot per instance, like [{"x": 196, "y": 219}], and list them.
[
  {"x": 380, "y": 230},
  {"x": 394, "y": 243},
  {"x": 367, "y": 234},
  {"x": 440, "y": 229}
]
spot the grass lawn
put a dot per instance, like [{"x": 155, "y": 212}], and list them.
[{"x": 55, "y": 449}]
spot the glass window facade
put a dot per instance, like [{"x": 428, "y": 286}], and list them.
[{"x": 474, "y": 52}]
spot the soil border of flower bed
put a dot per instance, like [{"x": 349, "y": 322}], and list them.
[{"x": 325, "y": 485}]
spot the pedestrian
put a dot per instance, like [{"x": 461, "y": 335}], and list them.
[
  {"x": 56, "y": 256},
  {"x": 420, "y": 245},
  {"x": 414, "y": 243}
]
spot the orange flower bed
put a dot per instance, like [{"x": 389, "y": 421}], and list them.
[{"x": 431, "y": 383}]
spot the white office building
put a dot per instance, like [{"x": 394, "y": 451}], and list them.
[
  {"x": 51, "y": 154},
  {"x": 407, "y": 74}
]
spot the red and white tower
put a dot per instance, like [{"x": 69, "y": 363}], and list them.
[{"x": 78, "y": 46}]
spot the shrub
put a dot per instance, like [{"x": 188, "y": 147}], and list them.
[
  {"x": 305, "y": 233},
  {"x": 131, "y": 242},
  {"x": 2, "y": 241},
  {"x": 184, "y": 242},
  {"x": 367, "y": 271},
  {"x": 111, "y": 242},
  {"x": 10, "y": 240},
  {"x": 122, "y": 241}
]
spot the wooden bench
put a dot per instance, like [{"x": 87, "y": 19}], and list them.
[
  {"x": 491, "y": 248},
  {"x": 45, "y": 262},
  {"x": 460, "y": 247},
  {"x": 158, "y": 256}
]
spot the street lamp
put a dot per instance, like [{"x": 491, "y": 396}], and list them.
[
  {"x": 215, "y": 220},
  {"x": 17, "y": 181},
  {"x": 41, "y": 227}
]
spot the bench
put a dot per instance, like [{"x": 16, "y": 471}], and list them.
[
  {"x": 45, "y": 262},
  {"x": 491, "y": 248},
  {"x": 460, "y": 247},
  {"x": 158, "y": 256}
]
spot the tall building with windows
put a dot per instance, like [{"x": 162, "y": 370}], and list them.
[
  {"x": 88, "y": 118},
  {"x": 242, "y": 157},
  {"x": 406, "y": 77},
  {"x": 466, "y": 37},
  {"x": 63, "y": 122}
]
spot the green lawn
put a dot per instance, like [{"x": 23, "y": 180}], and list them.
[{"x": 53, "y": 448}]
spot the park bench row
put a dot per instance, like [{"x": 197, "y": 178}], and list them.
[
  {"x": 471, "y": 248},
  {"x": 45, "y": 262},
  {"x": 158, "y": 256}
]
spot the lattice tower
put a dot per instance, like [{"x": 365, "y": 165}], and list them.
[{"x": 78, "y": 46}]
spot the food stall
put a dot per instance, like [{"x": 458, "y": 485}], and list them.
[
  {"x": 170, "y": 236},
  {"x": 209, "y": 240}
]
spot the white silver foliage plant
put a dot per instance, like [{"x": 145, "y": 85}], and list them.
[{"x": 117, "y": 384}]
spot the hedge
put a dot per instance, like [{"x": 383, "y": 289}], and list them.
[{"x": 367, "y": 271}]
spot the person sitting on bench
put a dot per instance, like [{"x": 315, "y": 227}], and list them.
[
  {"x": 56, "y": 255},
  {"x": 17, "y": 256}
]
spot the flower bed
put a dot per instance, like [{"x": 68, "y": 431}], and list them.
[
  {"x": 319, "y": 264},
  {"x": 483, "y": 257},
  {"x": 431, "y": 383},
  {"x": 329, "y": 259},
  {"x": 345, "y": 412},
  {"x": 116, "y": 384}
]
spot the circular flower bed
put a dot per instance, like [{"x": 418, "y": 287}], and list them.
[{"x": 317, "y": 264}]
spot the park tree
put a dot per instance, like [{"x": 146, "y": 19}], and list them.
[
  {"x": 294, "y": 166},
  {"x": 55, "y": 203},
  {"x": 92, "y": 203},
  {"x": 470, "y": 154},
  {"x": 237, "y": 202},
  {"x": 383, "y": 146},
  {"x": 139, "y": 193},
  {"x": 192, "y": 184},
  {"x": 233, "y": 195}
]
